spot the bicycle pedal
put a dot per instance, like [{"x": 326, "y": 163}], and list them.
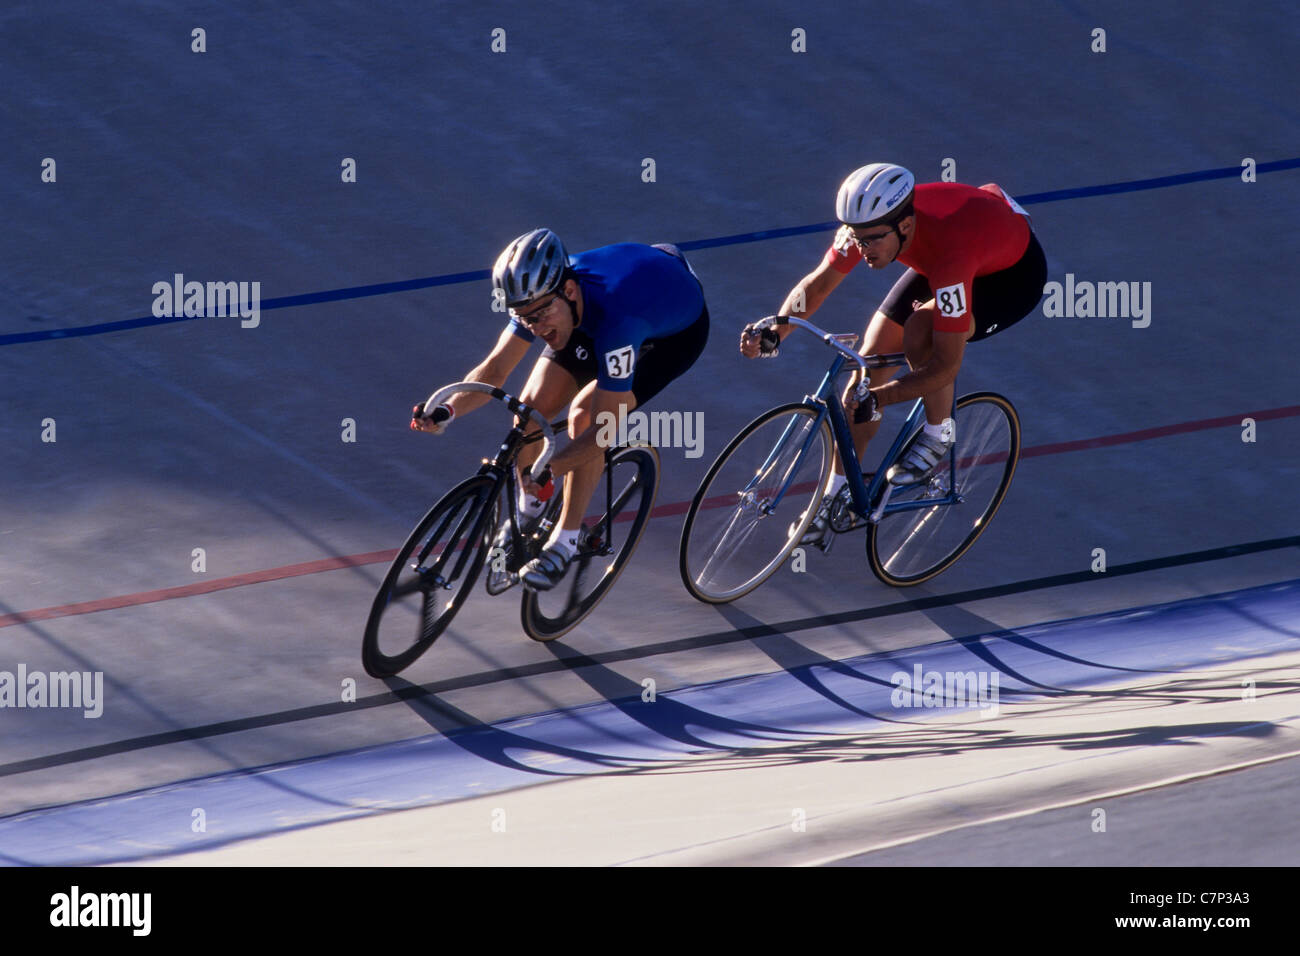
[{"x": 841, "y": 517}]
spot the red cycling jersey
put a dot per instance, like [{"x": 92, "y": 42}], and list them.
[{"x": 961, "y": 232}]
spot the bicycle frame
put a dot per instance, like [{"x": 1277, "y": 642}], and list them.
[
  {"x": 502, "y": 466},
  {"x": 507, "y": 456},
  {"x": 825, "y": 402}
]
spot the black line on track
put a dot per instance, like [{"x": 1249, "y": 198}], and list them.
[{"x": 696, "y": 642}]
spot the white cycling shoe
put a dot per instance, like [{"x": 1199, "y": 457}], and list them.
[{"x": 925, "y": 455}]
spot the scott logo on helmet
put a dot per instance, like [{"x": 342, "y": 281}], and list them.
[{"x": 211, "y": 300}]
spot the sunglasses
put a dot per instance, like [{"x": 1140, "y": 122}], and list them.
[
  {"x": 862, "y": 242},
  {"x": 539, "y": 313}
]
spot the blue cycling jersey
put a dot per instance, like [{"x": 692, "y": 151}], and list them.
[{"x": 631, "y": 294}]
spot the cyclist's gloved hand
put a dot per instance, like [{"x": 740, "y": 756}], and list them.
[
  {"x": 540, "y": 487},
  {"x": 768, "y": 341},
  {"x": 436, "y": 423},
  {"x": 864, "y": 404}
]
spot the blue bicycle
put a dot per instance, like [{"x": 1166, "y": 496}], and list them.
[{"x": 759, "y": 497}]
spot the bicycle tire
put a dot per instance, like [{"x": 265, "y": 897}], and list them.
[
  {"x": 460, "y": 523},
  {"x": 547, "y": 615},
  {"x": 720, "y": 559},
  {"x": 908, "y": 547}
]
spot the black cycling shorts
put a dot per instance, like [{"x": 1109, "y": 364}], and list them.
[
  {"x": 998, "y": 300},
  {"x": 657, "y": 363}
]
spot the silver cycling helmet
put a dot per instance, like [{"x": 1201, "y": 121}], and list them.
[
  {"x": 872, "y": 193},
  {"x": 530, "y": 267}
]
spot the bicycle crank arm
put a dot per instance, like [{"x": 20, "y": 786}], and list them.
[{"x": 880, "y": 508}]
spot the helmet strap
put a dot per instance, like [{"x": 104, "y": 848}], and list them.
[
  {"x": 573, "y": 307},
  {"x": 897, "y": 232}
]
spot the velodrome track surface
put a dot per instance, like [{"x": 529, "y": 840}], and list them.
[{"x": 202, "y": 434}]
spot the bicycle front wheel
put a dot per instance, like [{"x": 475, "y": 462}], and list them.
[
  {"x": 908, "y": 547},
  {"x": 737, "y": 532},
  {"x": 430, "y": 577},
  {"x": 603, "y": 548}
]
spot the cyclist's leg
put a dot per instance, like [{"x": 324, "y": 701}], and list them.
[
  {"x": 580, "y": 483},
  {"x": 550, "y": 387},
  {"x": 669, "y": 358},
  {"x": 918, "y": 343},
  {"x": 883, "y": 335},
  {"x": 1000, "y": 300},
  {"x": 662, "y": 361}
]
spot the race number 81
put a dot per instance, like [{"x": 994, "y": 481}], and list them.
[{"x": 951, "y": 300}]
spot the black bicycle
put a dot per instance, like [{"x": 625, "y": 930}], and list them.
[{"x": 477, "y": 524}]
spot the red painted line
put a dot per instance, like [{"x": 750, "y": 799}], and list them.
[
  {"x": 676, "y": 508},
  {"x": 201, "y": 587},
  {"x": 1105, "y": 441}
]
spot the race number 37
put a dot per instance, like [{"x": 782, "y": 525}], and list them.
[
  {"x": 951, "y": 300},
  {"x": 618, "y": 363}
]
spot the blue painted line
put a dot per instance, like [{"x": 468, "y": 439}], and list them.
[
  {"x": 825, "y": 701},
  {"x": 408, "y": 285},
  {"x": 1160, "y": 182}
]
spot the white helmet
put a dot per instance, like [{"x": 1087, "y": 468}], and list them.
[
  {"x": 530, "y": 267},
  {"x": 872, "y": 192}
]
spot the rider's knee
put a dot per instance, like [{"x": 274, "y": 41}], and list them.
[{"x": 579, "y": 420}]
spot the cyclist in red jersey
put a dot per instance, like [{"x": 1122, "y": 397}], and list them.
[{"x": 974, "y": 269}]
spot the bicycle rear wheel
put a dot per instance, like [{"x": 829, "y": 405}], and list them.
[
  {"x": 635, "y": 471},
  {"x": 732, "y": 540},
  {"x": 908, "y": 547},
  {"x": 444, "y": 553}
]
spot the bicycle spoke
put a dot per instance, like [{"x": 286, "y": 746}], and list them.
[
  {"x": 910, "y": 546},
  {"x": 727, "y": 543},
  {"x": 548, "y": 614},
  {"x": 737, "y": 532},
  {"x": 416, "y": 603}
]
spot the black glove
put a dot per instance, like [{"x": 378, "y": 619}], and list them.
[
  {"x": 769, "y": 342},
  {"x": 442, "y": 415},
  {"x": 868, "y": 409}
]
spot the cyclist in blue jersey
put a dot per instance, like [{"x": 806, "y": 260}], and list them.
[{"x": 618, "y": 323}]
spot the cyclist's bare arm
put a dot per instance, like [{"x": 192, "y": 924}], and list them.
[
  {"x": 493, "y": 370},
  {"x": 937, "y": 370},
  {"x": 810, "y": 292},
  {"x": 804, "y": 299}
]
